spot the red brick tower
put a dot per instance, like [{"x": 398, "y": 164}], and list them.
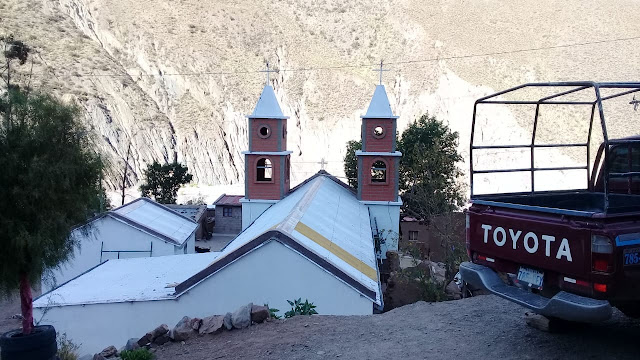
[{"x": 267, "y": 161}]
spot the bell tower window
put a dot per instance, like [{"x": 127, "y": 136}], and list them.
[
  {"x": 379, "y": 172},
  {"x": 264, "y": 171},
  {"x": 264, "y": 131},
  {"x": 378, "y": 132}
]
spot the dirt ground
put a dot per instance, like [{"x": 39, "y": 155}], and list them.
[{"x": 479, "y": 327}]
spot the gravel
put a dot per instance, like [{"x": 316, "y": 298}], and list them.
[{"x": 479, "y": 327}]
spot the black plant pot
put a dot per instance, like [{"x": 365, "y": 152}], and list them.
[{"x": 39, "y": 345}]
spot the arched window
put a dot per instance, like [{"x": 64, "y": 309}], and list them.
[
  {"x": 264, "y": 170},
  {"x": 379, "y": 172}
]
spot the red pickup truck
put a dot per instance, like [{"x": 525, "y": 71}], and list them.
[{"x": 568, "y": 254}]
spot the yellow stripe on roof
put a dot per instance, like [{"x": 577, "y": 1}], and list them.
[{"x": 337, "y": 250}]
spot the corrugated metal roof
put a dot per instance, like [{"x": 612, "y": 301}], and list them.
[
  {"x": 136, "y": 279},
  {"x": 229, "y": 200},
  {"x": 194, "y": 212},
  {"x": 149, "y": 215}
]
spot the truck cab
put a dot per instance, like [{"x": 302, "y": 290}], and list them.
[{"x": 568, "y": 254}]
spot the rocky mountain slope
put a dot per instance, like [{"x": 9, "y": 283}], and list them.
[{"x": 175, "y": 79}]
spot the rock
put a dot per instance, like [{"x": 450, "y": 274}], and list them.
[
  {"x": 195, "y": 323},
  {"x": 212, "y": 325},
  {"x": 241, "y": 318},
  {"x": 99, "y": 357},
  {"x": 393, "y": 258},
  {"x": 132, "y": 344},
  {"x": 537, "y": 321},
  {"x": 259, "y": 313},
  {"x": 453, "y": 291},
  {"x": 159, "y": 331},
  {"x": 162, "y": 339},
  {"x": 183, "y": 330},
  {"x": 146, "y": 339},
  {"x": 108, "y": 352},
  {"x": 227, "y": 321}
]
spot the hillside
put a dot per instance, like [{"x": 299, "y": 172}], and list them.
[{"x": 176, "y": 78}]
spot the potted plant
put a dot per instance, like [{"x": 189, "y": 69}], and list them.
[{"x": 49, "y": 182}]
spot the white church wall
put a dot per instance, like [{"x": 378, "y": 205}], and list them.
[
  {"x": 387, "y": 216},
  {"x": 252, "y": 209},
  {"x": 116, "y": 236},
  {"x": 271, "y": 274}
]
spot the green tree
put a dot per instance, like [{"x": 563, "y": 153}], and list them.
[
  {"x": 351, "y": 162},
  {"x": 163, "y": 181},
  {"x": 49, "y": 182},
  {"x": 429, "y": 170}
]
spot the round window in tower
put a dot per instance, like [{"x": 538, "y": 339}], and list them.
[
  {"x": 378, "y": 132},
  {"x": 264, "y": 131}
]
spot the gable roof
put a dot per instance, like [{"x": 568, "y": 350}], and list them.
[
  {"x": 156, "y": 219},
  {"x": 229, "y": 200},
  {"x": 379, "y": 107},
  {"x": 193, "y": 212},
  {"x": 267, "y": 106}
]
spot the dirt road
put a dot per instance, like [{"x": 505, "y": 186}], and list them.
[{"x": 479, "y": 327}]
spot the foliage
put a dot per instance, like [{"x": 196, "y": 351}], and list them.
[
  {"x": 273, "y": 312},
  {"x": 300, "y": 308},
  {"x": 351, "y": 163},
  {"x": 430, "y": 289},
  {"x": 137, "y": 354},
  {"x": 429, "y": 168},
  {"x": 66, "y": 348},
  {"x": 163, "y": 181}
]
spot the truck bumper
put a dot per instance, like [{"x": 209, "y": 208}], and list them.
[{"x": 563, "y": 305}]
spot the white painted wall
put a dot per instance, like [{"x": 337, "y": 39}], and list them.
[
  {"x": 116, "y": 235},
  {"x": 388, "y": 219},
  {"x": 270, "y": 274},
  {"x": 252, "y": 209}
]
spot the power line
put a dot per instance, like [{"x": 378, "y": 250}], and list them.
[{"x": 353, "y": 66}]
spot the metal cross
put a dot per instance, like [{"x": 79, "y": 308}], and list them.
[
  {"x": 635, "y": 103},
  {"x": 380, "y": 70},
  {"x": 268, "y": 72},
  {"x": 322, "y": 164}
]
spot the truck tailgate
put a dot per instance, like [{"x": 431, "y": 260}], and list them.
[{"x": 546, "y": 241}]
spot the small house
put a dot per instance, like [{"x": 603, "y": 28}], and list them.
[{"x": 228, "y": 214}]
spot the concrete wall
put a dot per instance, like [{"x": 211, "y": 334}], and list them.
[
  {"x": 228, "y": 225},
  {"x": 251, "y": 210},
  {"x": 388, "y": 222},
  {"x": 116, "y": 236},
  {"x": 270, "y": 274}
]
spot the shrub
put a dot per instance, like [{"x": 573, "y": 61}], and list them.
[
  {"x": 66, "y": 348},
  {"x": 273, "y": 312},
  {"x": 300, "y": 308},
  {"x": 138, "y": 354}
]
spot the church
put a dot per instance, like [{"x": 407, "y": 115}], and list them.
[{"x": 320, "y": 240}]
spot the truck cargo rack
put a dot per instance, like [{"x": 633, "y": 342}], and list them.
[{"x": 557, "y": 99}]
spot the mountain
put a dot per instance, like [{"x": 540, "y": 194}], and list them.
[{"x": 175, "y": 79}]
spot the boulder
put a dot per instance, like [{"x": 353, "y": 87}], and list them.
[
  {"x": 159, "y": 331},
  {"x": 132, "y": 344},
  {"x": 183, "y": 330},
  {"x": 393, "y": 259},
  {"x": 227, "y": 321},
  {"x": 108, "y": 352},
  {"x": 195, "y": 323},
  {"x": 241, "y": 318},
  {"x": 259, "y": 313},
  {"x": 161, "y": 340},
  {"x": 146, "y": 339},
  {"x": 453, "y": 291},
  {"x": 212, "y": 325}
]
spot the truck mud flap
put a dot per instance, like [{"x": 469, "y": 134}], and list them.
[{"x": 563, "y": 305}]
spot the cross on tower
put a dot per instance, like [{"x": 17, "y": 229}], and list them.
[
  {"x": 268, "y": 71},
  {"x": 322, "y": 164},
  {"x": 380, "y": 70}
]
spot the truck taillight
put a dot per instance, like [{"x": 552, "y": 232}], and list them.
[{"x": 601, "y": 253}]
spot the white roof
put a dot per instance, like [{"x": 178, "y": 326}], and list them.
[
  {"x": 379, "y": 107},
  {"x": 157, "y": 219},
  {"x": 267, "y": 106},
  {"x": 328, "y": 220},
  {"x": 136, "y": 279}
]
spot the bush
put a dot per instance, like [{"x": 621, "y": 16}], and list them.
[
  {"x": 273, "y": 312},
  {"x": 138, "y": 354},
  {"x": 300, "y": 308},
  {"x": 66, "y": 348}
]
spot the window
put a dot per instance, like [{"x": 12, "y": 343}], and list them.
[
  {"x": 378, "y": 132},
  {"x": 379, "y": 172},
  {"x": 287, "y": 169},
  {"x": 227, "y": 211},
  {"x": 413, "y": 236},
  {"x": 284, "y": 131},
  {"x": 264, "y": 170},
  {"x": 264, "y": 131}
]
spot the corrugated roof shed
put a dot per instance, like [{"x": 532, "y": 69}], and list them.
[
  {"x": 156, "y": 218},
  {"x": 194, "y": 212}
]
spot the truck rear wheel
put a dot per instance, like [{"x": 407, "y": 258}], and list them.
[{"x": 631, "y": 309}]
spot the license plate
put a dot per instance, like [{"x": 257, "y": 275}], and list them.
[
  {"x": 530, "y": 277},
  {"x": 631, "y": 257}
]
